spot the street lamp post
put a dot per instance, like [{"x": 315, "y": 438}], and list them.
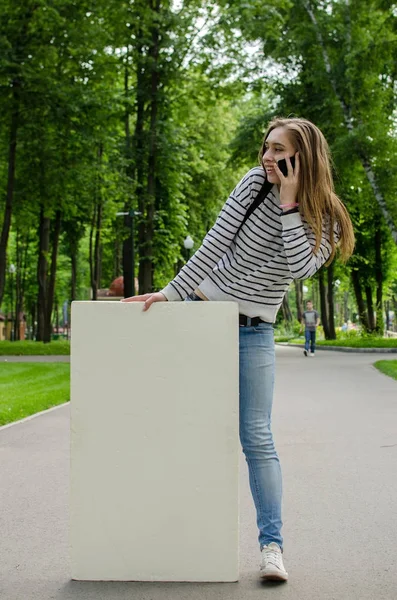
[
  {"x": 188, "y": 244},
  {"x": 132, "y": 214}
]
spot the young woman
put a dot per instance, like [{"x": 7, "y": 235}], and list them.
[{"x": 251, "y": 257}]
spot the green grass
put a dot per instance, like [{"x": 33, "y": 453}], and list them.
[
  {"x": 388, "y": 367},
  {"x": 28, "y": 388},
  {"x": 29, "y": 348},
  {"x": 355, "y": 342}
]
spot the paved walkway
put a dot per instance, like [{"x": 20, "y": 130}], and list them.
[
  {"x": 35, "y": 359},
  {"x": 335, "y": 423}
]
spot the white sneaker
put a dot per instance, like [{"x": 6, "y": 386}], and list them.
[
  {"x": 305, "y": 352},
  {"x": 272, "y": 566},
  {"x": 311, "y": 353}
]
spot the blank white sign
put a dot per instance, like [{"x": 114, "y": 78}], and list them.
[{"x": 154, "y": 441}]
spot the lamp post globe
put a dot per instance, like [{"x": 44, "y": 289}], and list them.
[{"x": 188, "y": 244}]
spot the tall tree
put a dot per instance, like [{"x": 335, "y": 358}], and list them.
[{"x": 17, "y": 40}]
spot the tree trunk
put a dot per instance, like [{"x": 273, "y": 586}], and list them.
[
  {"x": 146, "y": 263},
  {"x": 52, "y": 280},
  {"x": 346, "y": 306},
  {"x": 57, "y": 316},
  {"x": 18, "y": 307},
  {"x": 330, "y": 297},
  {"x": 370, "y": 308},
  {"x": 128, "y": 275},
  {"x": 299, "y": 299},
  {"x": 73, "y": 279},
  {"x": 97, "y": 252},
  {"x": 24, "y": 273},
  {"x": 394, "y": 304},
  {"x": 387, "y": 311},
  {"x": 94, "y": 285},
  {"x": 287, "y": 314},
  {"x": 379, "y": 279},
  {"x": 365, "y": 161},
  {"x": 323, "y": 304},
  {"x": 127, "y": 260},
  {"x": 314, "y": 293},
  {"x": 141, "y": 94},
  {"x": 362, "y": 313},
  {"x": 96, "y": 225},
  {"x": 117, "y": 263},
  {"x": 379, "y": 196},
  {"x": 73, "y": 231},
  {"x": 44, "y": 244},
  {"x": 19, "y": 287},
  {"x": 12, "y": 153},
  {"x": 33, "y": 317}
]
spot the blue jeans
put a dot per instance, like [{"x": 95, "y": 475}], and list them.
[
  {"x": 257, "y": 366},
  {"x": 310, "y": 339}
]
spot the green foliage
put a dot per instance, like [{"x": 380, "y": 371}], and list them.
[
  {"x": 282, "y": 338},
  {"x": 296, "y": 327},
  {"x": 348, "y": 335},
  {"x": 360, "y": 341},
  {"x": 30, "y": 348},
  {"x": 113, "y": 96},
  {"x": 334, "y": 63},
  {"x": 73, "y": 153}
]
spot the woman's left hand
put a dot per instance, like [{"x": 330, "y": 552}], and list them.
[{"x": 290, "y": 183}]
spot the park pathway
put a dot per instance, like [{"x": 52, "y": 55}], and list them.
[
  {"x": 35, "y": 359},
  {"x": 335, "y": 425}
]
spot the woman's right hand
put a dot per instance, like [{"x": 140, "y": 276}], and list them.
[{"x": 148, "y": 299}]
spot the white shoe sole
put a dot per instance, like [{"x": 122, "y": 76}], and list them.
[{"x": 275, "y": 575}]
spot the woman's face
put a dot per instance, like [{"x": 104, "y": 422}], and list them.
[{"x": 278, "y": 146}]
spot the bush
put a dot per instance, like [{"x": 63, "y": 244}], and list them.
[
  {"x": 347, "y": 335},
  {"x": 287, "y": 330},
  {"x": 282, "y": 330},
  {"x": 296, "y": 327},
  {"x": 29, "y": 348},
  {"x": 283, "y": 338},
  {"x": 320, "y": 333},
  {"x": 362, "y": 342},
  {"x": 356, "y": 342}
]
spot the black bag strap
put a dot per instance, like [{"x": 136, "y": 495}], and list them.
[{"x": 263, "y": 192}]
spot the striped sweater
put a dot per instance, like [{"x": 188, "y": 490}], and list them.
[{"x": 253, "y": 264}]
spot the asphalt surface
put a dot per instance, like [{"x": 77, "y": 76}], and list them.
[{"x": 335, "y": 425}]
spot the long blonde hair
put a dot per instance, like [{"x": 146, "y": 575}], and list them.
[{"x": 316, "y": 193}]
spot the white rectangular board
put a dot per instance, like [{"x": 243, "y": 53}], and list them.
[{"x": 154, "y": 442}]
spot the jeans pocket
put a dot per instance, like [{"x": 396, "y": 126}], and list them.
[{"x": 264, "y": 328}]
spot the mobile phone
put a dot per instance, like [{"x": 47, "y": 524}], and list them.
[{"x": 282, "y": 165}]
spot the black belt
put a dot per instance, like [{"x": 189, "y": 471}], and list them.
[{"x": 245, "y": 321}]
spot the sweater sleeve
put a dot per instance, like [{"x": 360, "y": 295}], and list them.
[
  {"x": 299, "y": 246},
  {"x": 217, "y": 240}
]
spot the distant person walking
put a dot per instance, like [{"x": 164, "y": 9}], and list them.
[{"x": 310, "y": 320}]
